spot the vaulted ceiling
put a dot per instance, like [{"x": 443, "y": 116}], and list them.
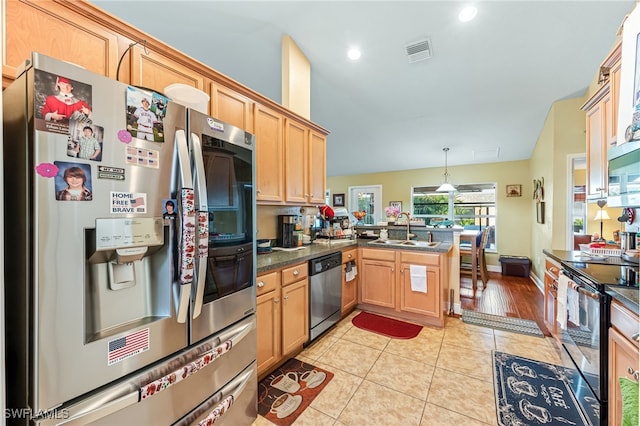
[{"x": 485, "y": 92}]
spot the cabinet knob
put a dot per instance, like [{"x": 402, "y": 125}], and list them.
[
  {"x": 260, "y": 284},
  {"x": 350, "y": 256},
  {"x": 296, "y": 272},
  {"x": 636, "y": 376},
  {"x": 286, "y": 297},
  {"x": 636, "y": 337},
  {"x": 276, "y": 300},
  {"x": 258, "y": 191}
]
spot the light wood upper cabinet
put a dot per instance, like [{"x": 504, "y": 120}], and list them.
[
  {"x": 601, "y": 124},
  {"x": 317, "y": 172},
  {"x": 295, "y": 158},
  {"x": 598, "y": 124},
  {"x": 156, "y": 71},
  {"x": 305, "y": 164},
  {"x": 269, "y": 157},
  {"x": 56, "y": 31},
  {"x": 231, "y": 107}
]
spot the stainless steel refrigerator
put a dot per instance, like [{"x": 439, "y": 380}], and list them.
[{"x": 130, "y": 255}]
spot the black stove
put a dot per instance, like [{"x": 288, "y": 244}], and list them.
[{"x": 601, "y": 275}]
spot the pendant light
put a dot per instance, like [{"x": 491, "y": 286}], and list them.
[{"x": 446, "y": 186}]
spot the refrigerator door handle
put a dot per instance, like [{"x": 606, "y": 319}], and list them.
[
  {"x": 218, "y": 404},
  {"x": 203, "y": 224},
  {"x": 186, "y": 216},
  {"x": 91, "y": 414}
]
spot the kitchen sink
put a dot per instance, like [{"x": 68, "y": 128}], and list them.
[{"x": 405, "y": 243}]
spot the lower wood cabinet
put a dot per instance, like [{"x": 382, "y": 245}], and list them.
[
  {"x": 552, "y": 269},
  {"x": 624, "y": 359},
  {"x": 427, "y": 303},
  {"x": 282, "y": 313},
  {"x": 349, "y": 288},
  {"x": 385, "y": 284}
]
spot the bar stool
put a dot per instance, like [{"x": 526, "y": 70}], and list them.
[{"x": 478, "y": 261}]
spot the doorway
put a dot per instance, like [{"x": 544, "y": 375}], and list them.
[
  {"x": 577, "y": 202},
  {"x": 369, "y": 199}
]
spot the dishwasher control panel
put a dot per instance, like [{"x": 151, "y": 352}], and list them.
[{"x": 324, "y": 263}]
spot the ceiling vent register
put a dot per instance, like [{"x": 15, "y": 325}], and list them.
[{"x": 419, "y": 50}]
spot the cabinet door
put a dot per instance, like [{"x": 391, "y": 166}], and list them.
[
  {"x": 428, "y": 303},
  {"x": 550, "y": 295},
  {"x": 155, "y": 71},
  {"x": 295, "y": 154},
  {"x": 231, "y": 107},
  {"x": 317, "y": 168},
  {"x": 378, "y": 283},
  {"x": 267, "y": 127},
  {"x": 57, "y": 31},
  {"x": 268, "y": 330},
  {"x": 295, "y": 315},
  {"x": 596, "y": 125},
  {"x": 349, "y": 292},
  {"x": 623, "y": 362},
  {"x": 614, "y": 88}
]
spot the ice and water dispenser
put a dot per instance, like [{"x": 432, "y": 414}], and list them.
[{"x": 128, "y": 277}]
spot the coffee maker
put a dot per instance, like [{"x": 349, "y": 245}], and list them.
[{"x": 287, "y": 235}]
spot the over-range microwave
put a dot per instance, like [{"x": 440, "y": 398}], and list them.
[{"x": 624, "y": 175}]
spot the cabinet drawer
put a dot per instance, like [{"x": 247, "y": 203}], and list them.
[
  {"x": 422, "y": 258},
  {"x": 378, "y": 254},
  {"x": 624, "y": 321},
  {"x": 552, "y": 268},
  {"x": 266, "y": 283},
  {"x": 349, "y": 255},
  {"x": 294, "y": 273}
]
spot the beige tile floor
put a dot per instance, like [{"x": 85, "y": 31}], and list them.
[{"x": 441, "y": 377}]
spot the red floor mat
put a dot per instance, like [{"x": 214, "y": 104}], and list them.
[{"x": 386, "y": 326}]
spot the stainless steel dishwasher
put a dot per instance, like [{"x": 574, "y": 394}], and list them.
[{"x": 325, "y": 293}]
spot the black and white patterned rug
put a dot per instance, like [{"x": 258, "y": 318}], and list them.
[
  {"x": 530, "y": 392},
  {"x": 516, "y": 325}
]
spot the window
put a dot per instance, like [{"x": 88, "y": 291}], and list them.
[
  {"x": 472, "y": 206},
  {"x": 369, "y": 199}
]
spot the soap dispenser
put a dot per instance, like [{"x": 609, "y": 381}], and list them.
[{"x": 384, "y": 235}]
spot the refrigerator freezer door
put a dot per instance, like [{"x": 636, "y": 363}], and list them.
[
  {"x": 221, "y": 365},
  {"x": 76, "y": 331}
]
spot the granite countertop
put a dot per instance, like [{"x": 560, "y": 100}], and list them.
[
  {"x": 629, "y": 297},
  {"x": 279, "y": 259}
]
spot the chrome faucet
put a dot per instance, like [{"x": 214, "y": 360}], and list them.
[
  {"x": 430, "y": 236},
  {"x": 409, "y": 234}
]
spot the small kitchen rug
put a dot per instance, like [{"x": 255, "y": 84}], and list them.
[
  {"x": 388, "y": 327},
  {"x": 516, "y": 325},
  {"x": 530, "y": 392},
  {"x": 284, "y": 394}
]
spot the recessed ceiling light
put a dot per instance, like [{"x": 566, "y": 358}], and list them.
[
  {"x": 354, "y": 54},
  {"x": 467, "y": 14}
]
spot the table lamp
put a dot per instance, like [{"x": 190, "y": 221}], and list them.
[{"x": 601, "y": 215}]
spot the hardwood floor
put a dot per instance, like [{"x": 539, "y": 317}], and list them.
[{"x": 506, "y": 296}]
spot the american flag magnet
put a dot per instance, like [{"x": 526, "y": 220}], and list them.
[{"x": 128, "y": 346}]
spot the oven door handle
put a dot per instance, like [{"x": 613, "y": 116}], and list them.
[{"x": 581, "y": 288}]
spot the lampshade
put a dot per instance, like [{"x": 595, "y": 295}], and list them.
[
  {"x": 602, "y": 215},
  {"x": 446, "y": 186}
]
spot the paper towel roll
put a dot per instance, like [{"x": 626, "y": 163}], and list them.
[{"x": 311, "y": 211}]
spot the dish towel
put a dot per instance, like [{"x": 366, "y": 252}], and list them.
[
  {"x": 352, "y": 271},
  {"x": 561, "y": 316},
  {"x": 573, "y": 306},
  {"x": 418, "y": 278}
]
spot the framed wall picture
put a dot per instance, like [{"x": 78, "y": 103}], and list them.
[
  {"x": 540, "y": 211},
  {"x": 396, "y": 205},
  {"x": 514, "y": 190},
  {"x": 338, "y": 200}
]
